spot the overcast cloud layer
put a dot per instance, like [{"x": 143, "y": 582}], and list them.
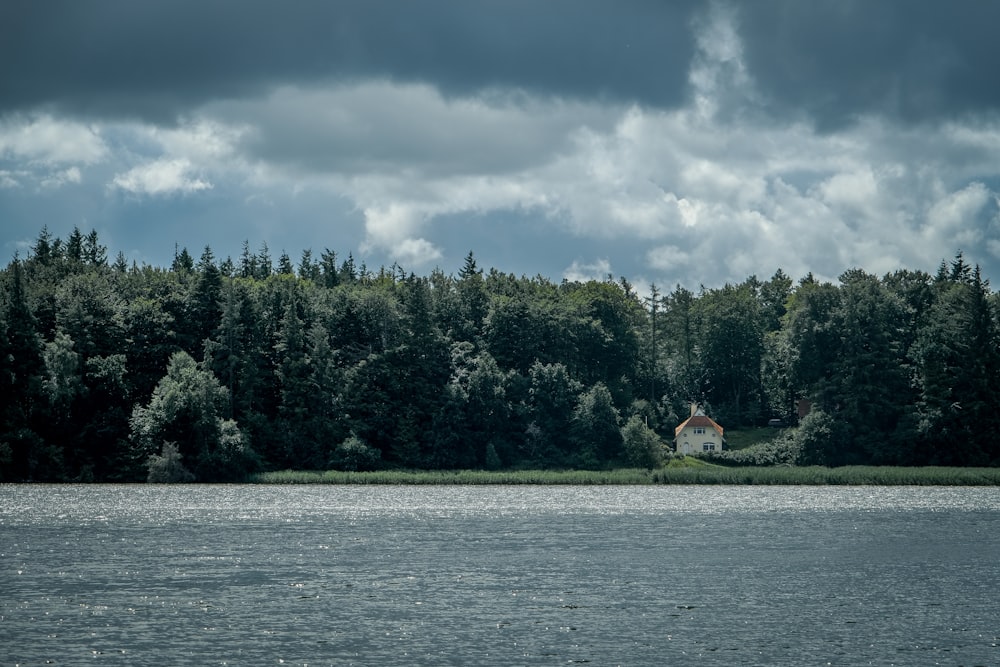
[{"x": 681, "y": 142}]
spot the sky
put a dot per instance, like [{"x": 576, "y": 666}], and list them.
[{"x": 668, "y": 142}]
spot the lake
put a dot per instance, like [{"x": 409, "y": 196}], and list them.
[{"x": 498, "y": 575}]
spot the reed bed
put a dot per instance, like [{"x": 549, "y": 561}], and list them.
[{"x": 694, "y": 474}]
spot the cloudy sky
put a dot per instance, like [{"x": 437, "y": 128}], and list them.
[{"x": 668, "y": 142}]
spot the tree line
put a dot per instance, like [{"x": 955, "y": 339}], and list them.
[{"x": 211, "y": 370}]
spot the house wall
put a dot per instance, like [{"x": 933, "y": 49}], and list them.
[{"x": 689, "y": 442}]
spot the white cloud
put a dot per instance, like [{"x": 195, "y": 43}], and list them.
[
  {"x": 202, "y": 141},
  {"x": 719, "y": 77},
  {"x": 392, "y": 225},
  {"x": 993, "y": 248},
  {"x": 952, "y": 220},
  {"x": 10, "y": 179},
  {"x": 715, "y": 179},
  {"x": 752, "y": 195},
  {"x": 415, "y": 252},
  {"x": 47, "y": 152},
  {"x": 957, "y": 208},
  {"x": 852, "y": 190},
  {"x": 669, "y": 258},
  {"x": 161, "y": 177},
  {"x": 705, "y": 193},
  {"x": 62, "y": 177},
  {"x": 49, "y": 141},
  {"x": 579, "y": 271}
]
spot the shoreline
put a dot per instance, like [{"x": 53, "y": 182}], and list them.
[{"x": 707, "y": 475}]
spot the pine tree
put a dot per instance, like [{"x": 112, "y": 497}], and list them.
[
  {"x": 328, "y": 267},
  {"x": 203, "y": 305},
  {"x": 94, "y": 254},
  {"x": 248, "y": 262},
  {"x": 74, "y": 246},
  {"x": 183, "y": 262},
  {"x": 22, "y": 369},
  {"x": 285, "y": 265},
  {"x": 42, "y": 250},
  {"x": 263, "y": 267}
]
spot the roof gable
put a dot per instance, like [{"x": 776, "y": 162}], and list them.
[{"x": 699, "y": 419}]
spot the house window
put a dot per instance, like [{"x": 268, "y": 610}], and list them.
[
  {"x": 708, "y": 447},
  {"x": 699, "y": 430}
]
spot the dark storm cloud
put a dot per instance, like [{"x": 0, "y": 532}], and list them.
[
  {"x": 156, "y": 59},
  {"x": 838, "y": 59}
]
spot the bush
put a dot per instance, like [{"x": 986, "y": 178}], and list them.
[
  {"x": 643, "y": 447},
  {"x": 785, "y": 450},
  {"x": 354, "y": 455},
  {"x": 231, "y": 460},
  {"x": 166, "y": 467},
  {"x": 821, "y": 439}
]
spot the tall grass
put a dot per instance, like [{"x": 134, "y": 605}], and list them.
[
  {"x": 620, "y": 476},
  {"x": 692, "y": 474},
  {"x": 817, "y": 475}
]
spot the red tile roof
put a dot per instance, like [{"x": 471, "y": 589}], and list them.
[{"x": 699, "y": 420}]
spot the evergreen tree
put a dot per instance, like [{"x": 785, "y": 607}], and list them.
[
  {"x": 94, "y": 254},
  {"x": 328, "y": 268},
  {"x": 285, "y": 265},
  {"x": 102, "y": 441},
  {"x": 773, "y": 296},
  {"x": 681, "y": 326},
  {"x": 150, "y": 340},
  {"x": 42, "y": 250},
  {"x": 121, "y": 264},
  {"x": 263, "y": 267},
  {"x": 309, "y": 269},
  {"x": 814, "y": 340},
  {"x": 870, "y": 388},
  {"x": 85, "y": 309},
  {"x": 957, "y": 358},
  {"x": 595, "y": 428},
  {"x": 732, "y": 342},
  {"x": 337, "y": 365},
  {"x": 183, "y": 262},
  {"x": 74, "y": 246},
  {"x": 248, "y": 262},
  {"x": 203, "y": 305},
  {"x": 21, "y": 391},
  {"x": 347, "y": 273},
  {"x": 294, "y": 375}
]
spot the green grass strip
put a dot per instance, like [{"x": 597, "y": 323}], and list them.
[{"x": 689, "y": 474}]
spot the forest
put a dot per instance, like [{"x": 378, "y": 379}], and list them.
[{"x": 211, "y": 370}]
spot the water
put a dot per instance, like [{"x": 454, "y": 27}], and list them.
[{"x": 327, "y": 575}]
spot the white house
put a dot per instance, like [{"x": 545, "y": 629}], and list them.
[{"x": 698, "y": 433}]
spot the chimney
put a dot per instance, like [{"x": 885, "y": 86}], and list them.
[{"x": 694, "y": 408}]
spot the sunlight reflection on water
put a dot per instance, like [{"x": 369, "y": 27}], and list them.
[
  {"x": 102, "y": 503},
  {"x": 498, "y": 575}
]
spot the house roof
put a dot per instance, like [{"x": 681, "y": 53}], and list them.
[{"x": 699, "y": 419}]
